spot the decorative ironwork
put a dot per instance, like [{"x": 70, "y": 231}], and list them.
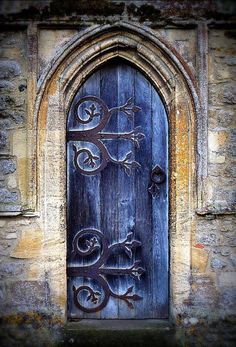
[
  {"x": 84, "y": 159},
  {"x": 98, "y": 270},
  {"x": 158, "y": 177}
]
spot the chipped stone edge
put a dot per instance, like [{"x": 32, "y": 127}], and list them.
[
  {"x": 216, "y": 212},
  {"x": 29, "y": 214}
]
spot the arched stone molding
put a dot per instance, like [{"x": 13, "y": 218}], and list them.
[{"x": 56, "y": 88}]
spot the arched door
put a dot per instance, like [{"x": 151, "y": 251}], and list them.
[{"x": 117, "y": 197}]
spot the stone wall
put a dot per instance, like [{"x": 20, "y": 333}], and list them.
[
  {"x": 13, "y": 105},
  {"x": 33, "y": 246}
]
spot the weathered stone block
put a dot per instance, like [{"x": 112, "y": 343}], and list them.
[
  {"x": 227, "y": 279},
  {"x": 230, "y": 239},
  {"x": 218, "y": 264},
  {"x": 204, "y": 293},
  {"x": 2, "y": 293},
  {"x": 19, "y": 223},
  {"x": 11, "y": 236},
  {"x": 208, "y": 238},
  {"x": 224, "y": 251},
  {"x": 7, "y": 196},
  {"x": 216, "y": 158},
  {"x": 233, "y": 259},
  {"x": 12, "y": 182},
  {"x": 228, "y": 299},
  {"x": 7, "y": 166},
  {"x": 216, "y": 139},
  {"x": 20, "y": 143},
  {"x": 9, "y": 69},
  {"x": 12, "y": 117},
  {"x": 2, "y": 223},
  {"x": 199, "y": 259},
  {"x": 229, "y": 95},
  {"x": 3, "y": 139},
  {"x": 50, "y": 41},
  {"x": 223, "y": 118},
  {"x": 27, "y": 295},
  {"x": 9, "y": 207},
  {"x": 6, "y": 85},
  {"x": 29, "y": 245},
  {"x": 11, "y": 269},
  {"x": 6, "y": 101}
]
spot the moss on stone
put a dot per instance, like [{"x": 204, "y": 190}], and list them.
[
  {"x": 126, "y": 338},
  {"x": 144, "y": 12},
  {"x": 70, "y": 8}
]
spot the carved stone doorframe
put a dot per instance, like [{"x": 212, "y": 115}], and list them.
[{"x": 56, "y": 88}]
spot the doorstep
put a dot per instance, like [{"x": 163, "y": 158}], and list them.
[{"x": 122, "y": 333}]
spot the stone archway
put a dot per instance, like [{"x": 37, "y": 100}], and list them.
[{"x": 57, "y": 86}]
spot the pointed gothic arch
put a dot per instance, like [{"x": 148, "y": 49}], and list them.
[{"x": 176, "y": 85}]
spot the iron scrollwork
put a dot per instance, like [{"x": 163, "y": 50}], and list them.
[
  {"x": 98, "y": 270},
  {"x": 85, "y": 160}
]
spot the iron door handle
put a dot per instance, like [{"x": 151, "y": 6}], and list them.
[{"x": 158, "y": 177}]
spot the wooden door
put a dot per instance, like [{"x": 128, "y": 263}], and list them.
[{"x": 117, "y": 197}]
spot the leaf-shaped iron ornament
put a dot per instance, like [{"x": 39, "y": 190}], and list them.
[
  {"x": 98, "y": 271},
  {"x": 129, "y": 109},
  {"x": 92, "y": 163}
]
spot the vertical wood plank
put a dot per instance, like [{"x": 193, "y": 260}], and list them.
[
  {"x": 74, "y": 212},
  {"x": 109, "y": 180},
  {"x": 91, "y": 190},
  {"x": 84, "y": 197},
  {"x": 143, "y": 199},
  {"x": 125, "y": 185},
  {"x": 160, "y": 209}
]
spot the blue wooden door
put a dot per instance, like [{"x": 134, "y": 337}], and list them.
[{"x": 117, "y": 197}]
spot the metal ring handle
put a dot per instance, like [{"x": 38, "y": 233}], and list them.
[{"x": 158, "y": 177}]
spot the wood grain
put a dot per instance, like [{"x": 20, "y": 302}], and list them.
[{"x": 116, "y": 203}]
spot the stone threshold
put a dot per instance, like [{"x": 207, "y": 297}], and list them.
[
  {"x": 124, "y": 333},
  {"x": 120, "y": 324}
]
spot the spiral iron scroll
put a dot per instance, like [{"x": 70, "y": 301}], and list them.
[
  {"x": 85, "y": 160},
  {"x": 98, "y": 270}
]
